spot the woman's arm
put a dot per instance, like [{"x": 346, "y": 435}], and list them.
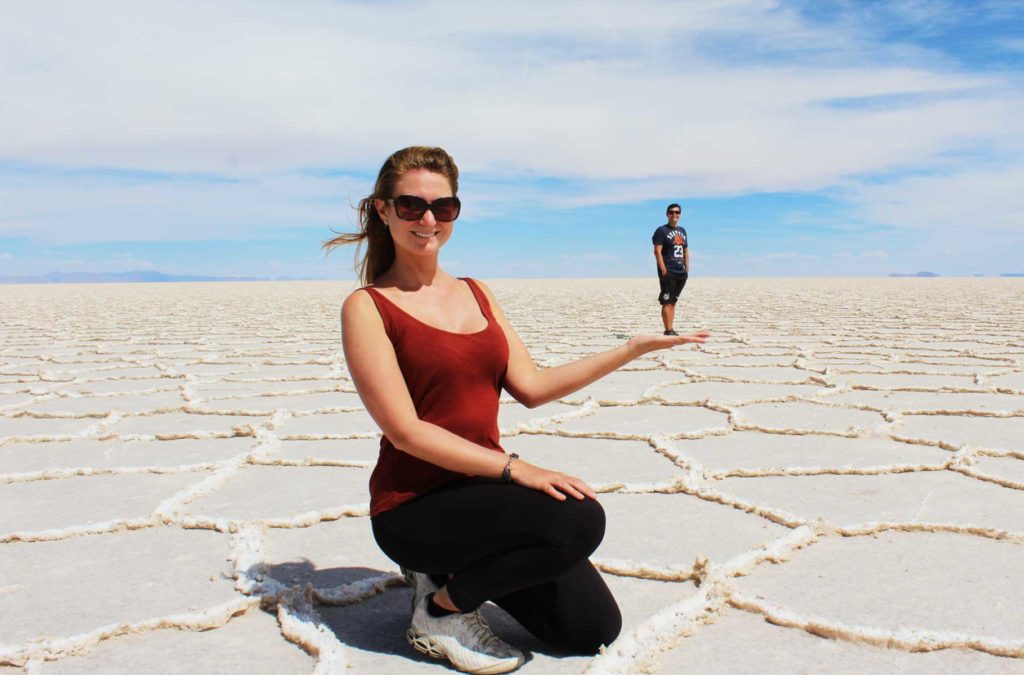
[
  {"x": 533, "y": 386},
  {"x": 371, "y": 361}
]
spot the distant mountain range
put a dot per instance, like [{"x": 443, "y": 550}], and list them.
[
  {"x": 136, "y": 276},
  {"x": 933, "y": 274},
  {"x": 150, "y": 276}
]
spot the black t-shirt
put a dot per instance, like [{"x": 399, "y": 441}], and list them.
[{"x": 673, "y": 247}]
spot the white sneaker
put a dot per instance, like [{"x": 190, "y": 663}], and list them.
[
  {"x": 420, "y": 583},
  {"x": 464, "y": 639}
]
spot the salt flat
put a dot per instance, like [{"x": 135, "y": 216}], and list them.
[{"x": 834, "y": 483}]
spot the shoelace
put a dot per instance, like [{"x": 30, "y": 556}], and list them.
[{"x": 479, "y": 629}]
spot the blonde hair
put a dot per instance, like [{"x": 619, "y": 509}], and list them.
[{"x": 380, "y": 250}]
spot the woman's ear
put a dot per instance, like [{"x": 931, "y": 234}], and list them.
[{"x": 382, "y": 208}]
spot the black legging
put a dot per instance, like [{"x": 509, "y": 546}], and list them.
[{"x": 516, "y": 547}]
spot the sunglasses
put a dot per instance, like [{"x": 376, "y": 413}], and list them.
[
  {"x": 673, "y": 212},
  {"x": 409, "y": 207}
]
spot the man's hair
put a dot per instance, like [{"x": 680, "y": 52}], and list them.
[{"x": 672, "y": 206}]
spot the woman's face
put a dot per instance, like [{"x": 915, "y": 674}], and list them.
[{"x": 426, "y": 235}]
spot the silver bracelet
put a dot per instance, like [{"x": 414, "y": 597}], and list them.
[{"x": 506, "y": 473}]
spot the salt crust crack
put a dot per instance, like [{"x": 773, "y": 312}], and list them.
[
  {"x": 908, "y": 639},
  {"x": 50, "y": 649},
  {"x": 830, "y": 361}
]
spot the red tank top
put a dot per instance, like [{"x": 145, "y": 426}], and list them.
[{"x": 455, "y": 381}]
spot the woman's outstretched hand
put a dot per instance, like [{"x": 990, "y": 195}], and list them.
[
  {"x": 554, "y": 483},
  {"x": 641, "y": 344}
]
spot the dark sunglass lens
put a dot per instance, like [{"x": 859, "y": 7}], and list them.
[
  {"x": 410, "y": 208},
  {"x": 446, "y": 208}
]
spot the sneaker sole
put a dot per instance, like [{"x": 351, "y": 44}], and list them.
[{"x": 425, "y": 645}]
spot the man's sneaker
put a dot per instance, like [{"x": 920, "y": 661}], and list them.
[
  {"x": 464, "y": 639},
  {"x": 671, "y": 332},
  {"x": 420, "y": 583}
]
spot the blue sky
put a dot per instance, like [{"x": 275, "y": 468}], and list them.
[{"x": 802, "y": 138}]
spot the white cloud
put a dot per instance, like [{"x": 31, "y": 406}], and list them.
[
  {"x": 111, "y": 208},
  {"x": 982, "y": 200},
  {"x": 596, "y": 90},
  {"x": 14, "y": 228},
  {"x": 788, "y": 255},
  {"x": 620, "y": 102}
]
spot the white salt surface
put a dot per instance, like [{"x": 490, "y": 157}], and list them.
[{"x": 834, "y": 483}]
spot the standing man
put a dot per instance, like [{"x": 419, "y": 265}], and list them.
[{"x": 673, "y": 257}]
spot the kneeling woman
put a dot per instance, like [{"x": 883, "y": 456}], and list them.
[{"x": 429, "y": 354}]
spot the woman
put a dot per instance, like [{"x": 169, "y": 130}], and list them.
[{"x": 429, "y": 355}]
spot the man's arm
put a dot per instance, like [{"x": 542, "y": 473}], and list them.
[
  {"x": 661, "y": 263},
  {"x": 686, "y": 259}
]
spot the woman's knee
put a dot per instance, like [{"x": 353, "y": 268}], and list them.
[
  {"x": 579, "y": 526},
  {"x": 597, "y": 630}
]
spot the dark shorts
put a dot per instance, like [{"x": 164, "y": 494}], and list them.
[{"x": 671, "y": 286}]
